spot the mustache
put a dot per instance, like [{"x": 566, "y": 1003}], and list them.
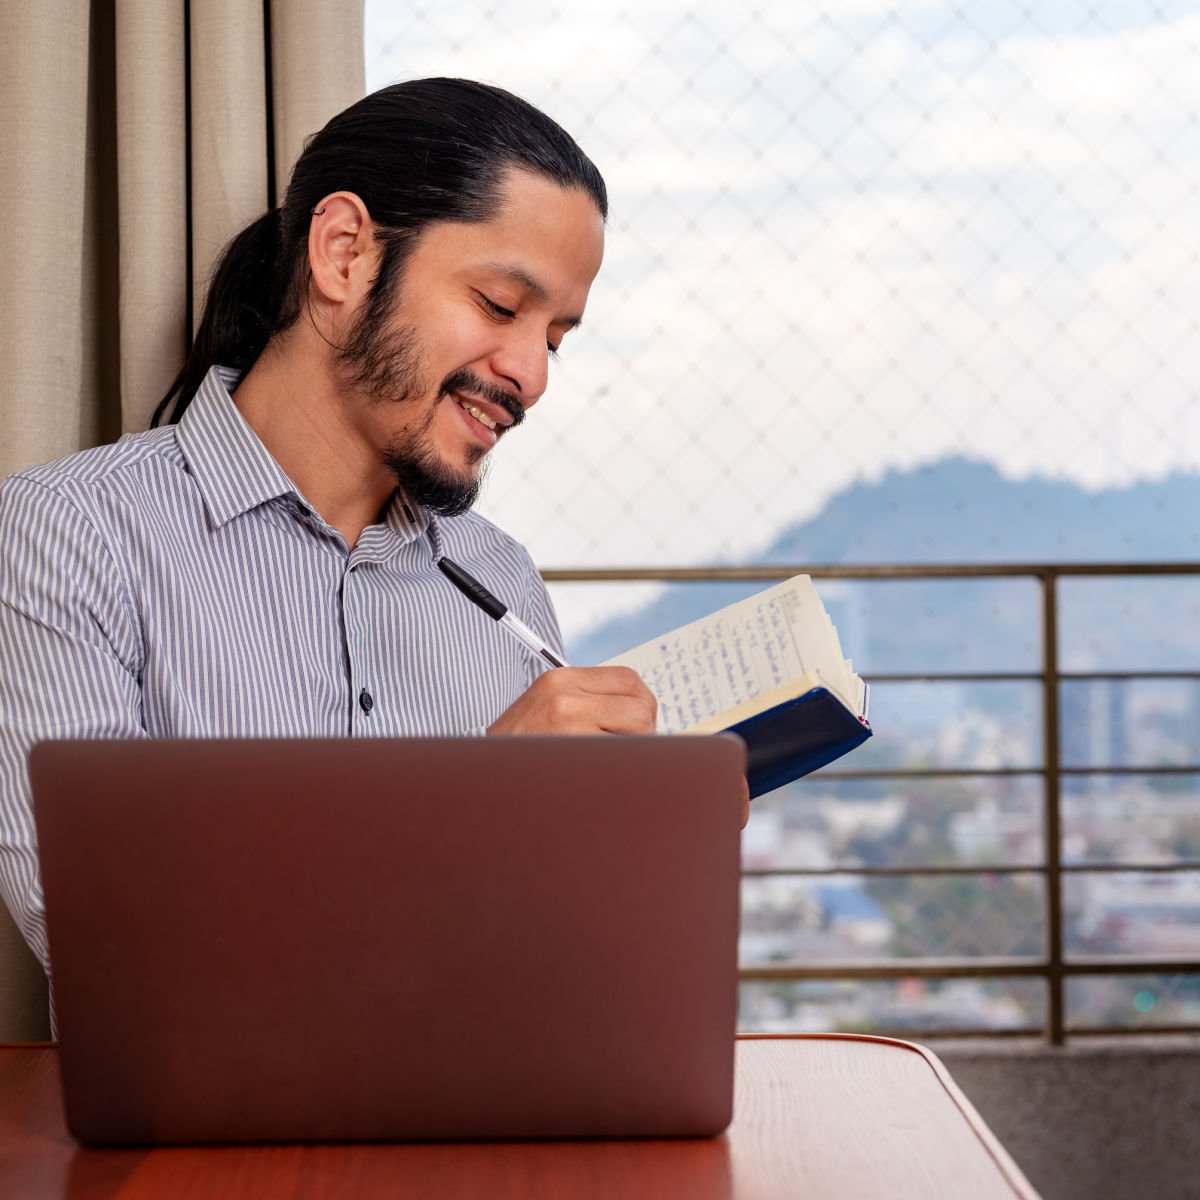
[{"x": 465, "y": 380}]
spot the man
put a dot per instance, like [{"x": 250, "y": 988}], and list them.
[{"x": 265, "y": 565}]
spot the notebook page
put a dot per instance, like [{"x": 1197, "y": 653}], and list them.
[{"x": 700, "y": 670}]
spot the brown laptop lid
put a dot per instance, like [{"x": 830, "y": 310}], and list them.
[{"x": 378, "y": 939}]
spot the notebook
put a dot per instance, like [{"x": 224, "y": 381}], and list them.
[{"x": 392, "y": 939}]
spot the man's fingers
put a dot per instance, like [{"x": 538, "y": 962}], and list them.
[
  {"x": 632, "y": 715},
  {"x": 619, "y": 700},
  {"x": 606, "y": 681},
  {"x": 573, "y": 710},
  {"x": 582, "y": 700}
]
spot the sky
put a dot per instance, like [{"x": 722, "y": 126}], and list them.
[{"x": 845, "y": 238}]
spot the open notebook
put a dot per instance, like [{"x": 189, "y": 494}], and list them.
[{"x": 770, "y": 669}]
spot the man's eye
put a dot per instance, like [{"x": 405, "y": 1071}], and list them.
[{"x": 496, "y": 309}]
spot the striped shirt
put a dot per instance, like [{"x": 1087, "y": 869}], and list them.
[{"x": 177, "y": 584}]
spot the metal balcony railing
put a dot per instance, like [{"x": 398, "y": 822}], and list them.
[{"x": 1056, "y": 966}]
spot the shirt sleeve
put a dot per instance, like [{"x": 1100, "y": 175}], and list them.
[{"x": 69, "y": 664}]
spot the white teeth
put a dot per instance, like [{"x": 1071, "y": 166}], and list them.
[{"x": 479, "y": 416}]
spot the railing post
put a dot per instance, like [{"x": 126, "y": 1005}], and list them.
[{"x": 1052, "y": 810}]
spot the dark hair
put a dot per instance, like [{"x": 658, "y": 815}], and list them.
[{"x": 414, "y": 153}]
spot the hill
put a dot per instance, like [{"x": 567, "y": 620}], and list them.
[{"x": 960, "y": 510}]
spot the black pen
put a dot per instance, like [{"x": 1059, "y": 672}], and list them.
[{"x": 478, "y": 594}]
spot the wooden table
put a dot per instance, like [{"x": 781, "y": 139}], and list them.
[{"x": 818, "y": 1116}]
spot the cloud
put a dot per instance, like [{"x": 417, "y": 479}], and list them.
[{"x": 843, "y": 241}]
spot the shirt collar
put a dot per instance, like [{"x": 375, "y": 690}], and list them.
[
  {"x": 404, "y": 522},
  {"x": 235, "y": 472},
  {"x": 232, "y": 468}
]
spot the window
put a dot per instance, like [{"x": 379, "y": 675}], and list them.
[{"x": 898, "y": 284}]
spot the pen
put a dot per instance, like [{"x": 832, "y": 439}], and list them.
[{"x": 478, "y": 594}]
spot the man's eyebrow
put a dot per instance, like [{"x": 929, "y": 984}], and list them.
[{"x": 520, "y": 276}]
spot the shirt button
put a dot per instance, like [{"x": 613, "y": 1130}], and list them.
[{"x": 365, "y": 702}]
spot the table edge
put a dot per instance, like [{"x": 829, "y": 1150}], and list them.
[{"x": 1003, "y": 1160}]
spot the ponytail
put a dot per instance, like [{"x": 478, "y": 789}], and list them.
[{"x": 241, "y": 312}]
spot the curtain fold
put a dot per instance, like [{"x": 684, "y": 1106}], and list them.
[
  {"x": 317, "y": 69},
  {"x": 229, "y": 129},
  {"x": 103, "y": 100},
  {"x": 43, "y": 94},
  {"x": 152, "y": 227}
]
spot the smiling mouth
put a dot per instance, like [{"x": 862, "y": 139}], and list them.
[{"x": 478, "y": 414}]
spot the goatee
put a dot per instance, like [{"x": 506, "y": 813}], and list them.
[
  {"x": 427, "y": 481},
  {"x": 386, "y": 364}
]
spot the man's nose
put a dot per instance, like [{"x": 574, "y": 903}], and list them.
[{"x": 523, "y": 361}]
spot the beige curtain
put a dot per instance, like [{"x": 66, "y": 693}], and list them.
[
  {"x": 110, "y": 233},
  {"x": 103, "y": 215}
]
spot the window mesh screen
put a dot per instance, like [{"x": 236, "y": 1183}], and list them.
[
  {"x": 849, "y": 241},
  {"x": 910, "y": 283}
]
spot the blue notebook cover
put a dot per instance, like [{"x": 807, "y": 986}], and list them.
[{"x": 797, "y": 737}]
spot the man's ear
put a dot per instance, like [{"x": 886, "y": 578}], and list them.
[{"x": 341, "y": 251}]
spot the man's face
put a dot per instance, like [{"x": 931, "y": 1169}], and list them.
[{"x": 464, "y": 354}]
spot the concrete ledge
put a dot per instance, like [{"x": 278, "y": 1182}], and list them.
[{"x": 1099, "y": 1119}]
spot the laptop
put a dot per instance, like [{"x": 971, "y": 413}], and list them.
[{"x": 392, "y": 939}]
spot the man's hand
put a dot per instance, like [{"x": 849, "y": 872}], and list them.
[{"x": 582, "y": 700}]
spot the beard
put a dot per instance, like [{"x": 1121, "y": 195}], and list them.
[{"x": 387, "y": 363}]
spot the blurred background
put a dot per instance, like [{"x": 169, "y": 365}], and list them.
[{"x": 912, "y": 286}]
